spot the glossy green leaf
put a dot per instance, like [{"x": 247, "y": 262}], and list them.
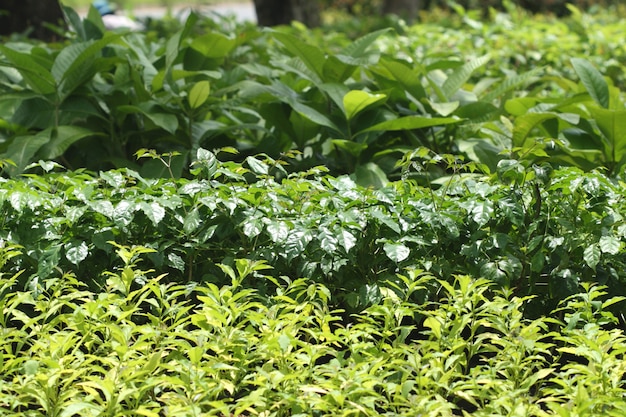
[
  {"x": 397, "y": 252},
  {"x": 411, "y": 122},
  {"x": 199, "y": 94},
  {"x": 593, "y": 81},
  {"x": 356, "y": 101},
  {"x": 591, "y": 255}
]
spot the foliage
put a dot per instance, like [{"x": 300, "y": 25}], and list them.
[
  {"x": 160, "y": 348},
  {"x": 540, "y": 232},
  {"x": 553, "y": 89}
]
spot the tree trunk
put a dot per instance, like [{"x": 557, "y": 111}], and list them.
[
  {"x": 30, "y": 17},
  {"x": 406, "y": 9},
  {"x": 283, "y": 12}
]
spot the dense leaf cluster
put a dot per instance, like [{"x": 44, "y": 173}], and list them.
[
  {"x": 540, "y": 235},
  {"x": 527, "y": 88},
  {"x": 165, "y": 349}
]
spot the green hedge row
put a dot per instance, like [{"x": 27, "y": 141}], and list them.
[{"x": 542, "y": 233}]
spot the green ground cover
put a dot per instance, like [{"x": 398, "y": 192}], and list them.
[{"x": 210, "y": 219}]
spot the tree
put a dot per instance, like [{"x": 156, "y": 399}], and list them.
[
  {"x": 31, "y": 17},
  {"x": 283, "y": 12}
]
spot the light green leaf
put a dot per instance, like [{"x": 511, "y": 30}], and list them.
[
  {"x": 356, "y": 101},
  {"x": 75, "y": 252},
  {"x": 610, "y": 245},
  {"x": 591, "y": 255},
  {"x": 444, "y": 109},
  {"x": 411, "y": 122},
  {"x": 154, "y": 211},
  {"x": 346, "y": 239},
  {"x": 434, "y": 325},
  {"x": 213, "y": 45},
  {"x": 612, "y": 124},
  {"x": 397, "y": 252},
  {"x": 408, "y": 78},
  {"x": 593, "y": 81},
  {"x": 459, "y": 77},
  {"x": 199, "y": 94}
]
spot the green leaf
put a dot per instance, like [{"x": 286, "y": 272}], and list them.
[
  {"x": 610, "y": 245},
  {"x": 76, "y": 251},
  {"x": 356, "y": 53},
  {"x": 192, "y": 222},
  {"x": 346, "y": 239},
  {"x": 62, "y": 138},
  {"x": 23, "y": 148},
  {"x": 199, "y": 94},
  {"x": 593, "y": 81},
  {"x": 408, "y": 78},
  {"x": 526, "y": 123},
  {"x": 77, "y": 63},
  {"x": 154, "y": 211},
  {"x": 411, "y": 122},
  {"x": 36, "y": 75},
  {"x": 370, "y": 175},
  {"x": 460, "y": 75},
  {"x": 612, "y": 124},
  {"x": 356, "y": 101},
  {"x": 311, "y": 56},
  {"x": 213, "y": 45},
  {"x": 591, "y": 255},
  {"x": 397, "y": 252}
]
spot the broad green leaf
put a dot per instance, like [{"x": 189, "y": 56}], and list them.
[
  {"x": 278, "y": 230},
  {"x": 444, "y": 109},
  {"x": 199, "y": 94},
  {"x": 154, "y": 113},
  {"x": 612, "y": 124},
  {"x": 593, "y": 81},
  {"x": 610, "y": 245},
  {"x": 460, "y": 75},
  {"x": 76, "y": 252},
  {"x": 35, "y": 75},
  {"x": 591, "y": 255},
  {"x": 192, "y": 222},
  {"x": 62, "y": 138},
  {"x": 409, "y": 78},
  {"x": 154, "y": 211},
  {"x": 207, "y": 160},
  {"x": 213, "y": 45},
  {"x": 356, "y": 101},
  {"x": 397, "y": 252},
  {"x": 434, "y": 325},
  {"x": 257, "y": 166},
  {"x": 354, "y": 148},
  {"x": 526, "y": 123},
  {"x": 311, "y": 55},
  {"x": 22, "y": 149},
  {"x": 346, "y": 239},
  {"x": 356, "y": 53},
  {"x": 252, "y": 228},
  {"x": 411, "y": 122},
  {"x": 370, "y": 175}
]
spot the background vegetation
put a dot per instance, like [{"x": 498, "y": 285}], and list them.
[{"x": 209, "y": 218}]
